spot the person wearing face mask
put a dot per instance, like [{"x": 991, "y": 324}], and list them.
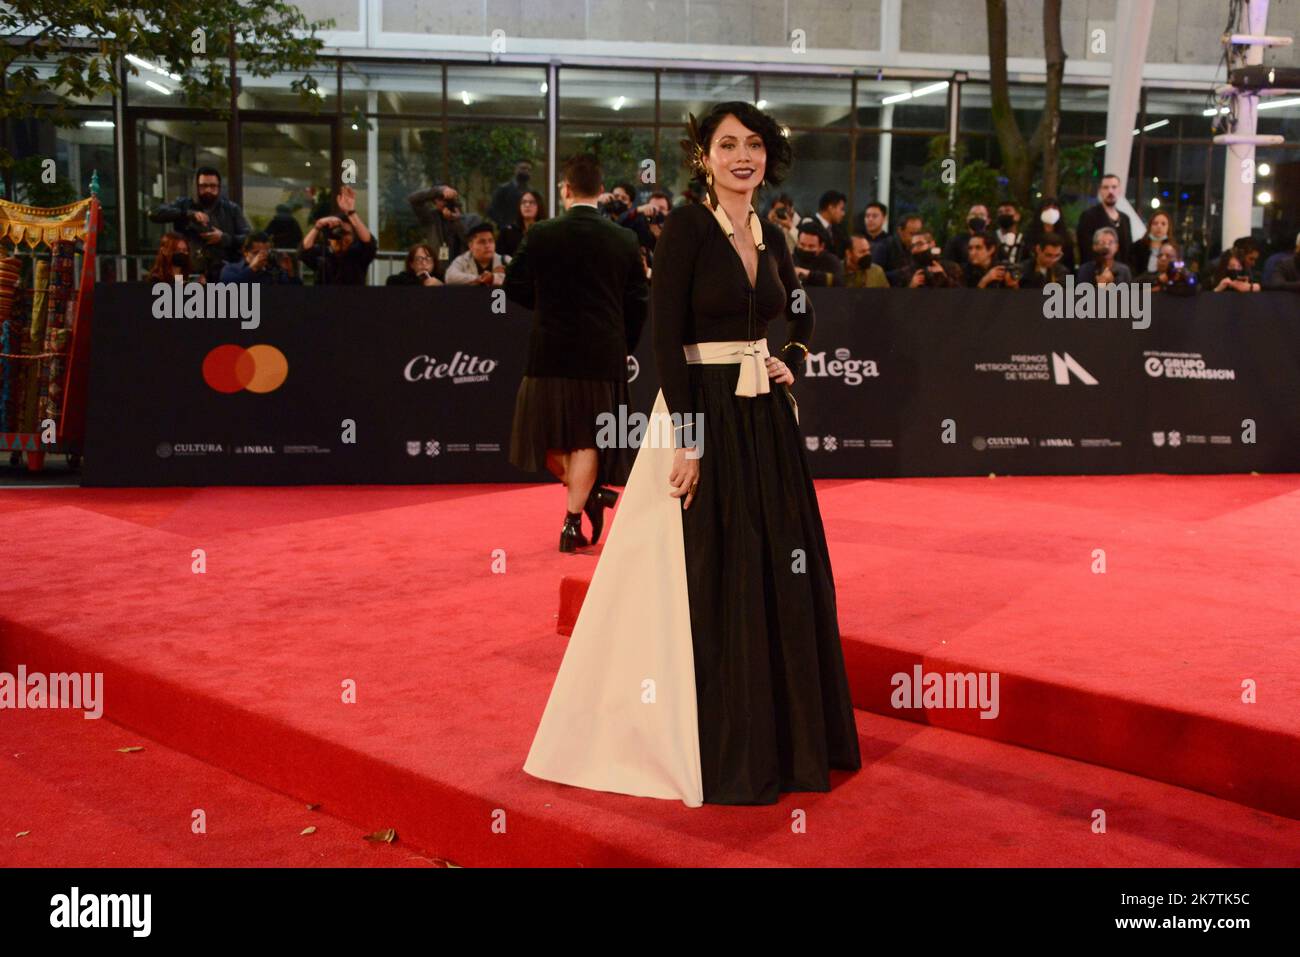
[
  {"x": 1010, "y": 241},
  {"x": 1048, "y": 223},
  {"x": 859, "y": 270},
  {"x": 1282, "y": 270},
  {"x": 505, "y": 199},
  {"x": 1147, "y": 249},
  {"x": 977, "y": 220},
  {"x": 174, "y": 261},
  {"x": 344, "y": 257},
  {"x": 215, "y": 227},
  {"x": 813, "y": 264}
]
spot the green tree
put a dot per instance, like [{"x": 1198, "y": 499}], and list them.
[
  {"x": 30, "y": 189},
  {"x": 479, "y": 157},
  {"x": 1020, "y": 156},
  {"x": 945, "y": 203},
  {"x": 60, "y": 54}
]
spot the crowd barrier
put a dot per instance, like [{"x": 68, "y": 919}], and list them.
[{"x": 413, "y": 385}]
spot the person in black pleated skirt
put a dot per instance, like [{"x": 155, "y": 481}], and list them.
[{"x": 584, "y": 279}]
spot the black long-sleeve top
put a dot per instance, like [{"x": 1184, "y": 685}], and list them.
[{"x": 700, "y": 292}]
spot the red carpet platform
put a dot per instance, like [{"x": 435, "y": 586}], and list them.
[
  {"x": 438, "y": 606},
  {"x": 1139, "y": 667}
]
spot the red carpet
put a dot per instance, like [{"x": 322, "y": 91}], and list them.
[
  {"x": 401, "y": 591},
  {"x": 1138, "y": 668},
  {"x": 78, "y": 801}
]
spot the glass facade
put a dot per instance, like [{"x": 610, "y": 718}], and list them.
[{"x": 391, "y": 127}]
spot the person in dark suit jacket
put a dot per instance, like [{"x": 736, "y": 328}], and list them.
[
  {"x": 1105, "y": 213},
  {"x": 584, "y": 279}
]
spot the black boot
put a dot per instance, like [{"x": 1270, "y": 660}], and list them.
[
  {"x": 571, "y": 536},
  {"x": 600, "y": 499}
]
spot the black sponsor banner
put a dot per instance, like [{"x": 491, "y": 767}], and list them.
[{"x": 400, "y": 385}]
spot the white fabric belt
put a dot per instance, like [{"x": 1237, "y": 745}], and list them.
[{"x": 752, "y": 357}]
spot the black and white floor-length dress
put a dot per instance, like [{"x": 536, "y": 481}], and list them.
[{"x": 705, "y": 664}]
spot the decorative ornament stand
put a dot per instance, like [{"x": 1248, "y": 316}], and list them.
[{"x": 45, "y": 320}]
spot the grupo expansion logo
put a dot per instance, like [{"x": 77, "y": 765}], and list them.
[{"x": 232, "y": 368}]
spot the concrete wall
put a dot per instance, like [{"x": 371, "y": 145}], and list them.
[{"x": 1186, "y": 32}]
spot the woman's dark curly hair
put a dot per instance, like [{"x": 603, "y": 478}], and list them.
[{"x": 780, "y": 155}]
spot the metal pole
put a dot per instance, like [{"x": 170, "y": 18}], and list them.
[{"x": 1239, "y": 165}]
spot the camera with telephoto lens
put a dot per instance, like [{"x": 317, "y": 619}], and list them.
[
  {"x": 657, "y": 217},
  {"x": 782, "y": 212},
  {"x": 1015, "y": 271},
  {"x": 336, "y": 232}
]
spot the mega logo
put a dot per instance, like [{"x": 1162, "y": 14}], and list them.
[{"x": 851, "y": 371}]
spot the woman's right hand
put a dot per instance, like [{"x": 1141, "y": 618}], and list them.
[{"x": 685, "y": 473}]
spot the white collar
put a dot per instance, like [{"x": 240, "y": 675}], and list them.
[{"x": 755, "y": 225}]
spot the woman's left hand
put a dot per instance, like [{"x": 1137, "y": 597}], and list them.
[{"x": 778, "y": 371}]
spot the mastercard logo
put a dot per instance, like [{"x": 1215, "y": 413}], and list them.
[{"x": 232, "y": 368}]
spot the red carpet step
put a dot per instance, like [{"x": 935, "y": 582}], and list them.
[
  {"x": 79, "y": 801},
  {"x": 1139, "y": 668}
]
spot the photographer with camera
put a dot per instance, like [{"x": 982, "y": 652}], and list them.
[
  {"x": 647, "y": 220},
  {"x": 439, "y": 210},
  {"x": 1045, "y": 268},
  {"x": 860, "y": 272},
  {"x": 350, "y": 245},
  {"x": 617, "y": 202},
  {"x": 419, "y": 268},
  {"x": 1232, "y": 275},
  {"x": 259, "y": 264},
  {"x": 214, "y": 226},
  {"x": 1103, "y": 269},
  {"x": 1011, "y": 246},
  {"x": 982, "y": 271},
  {"x": 929, "y": 269},
  {"x": 1171, "y": 273},
  {"x": 783, "y": 214}
]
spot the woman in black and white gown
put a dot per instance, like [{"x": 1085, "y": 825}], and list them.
[{"x": 705, "y": 664}]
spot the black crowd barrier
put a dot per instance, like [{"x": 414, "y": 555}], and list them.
[{"x": 399, "y": 385}]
